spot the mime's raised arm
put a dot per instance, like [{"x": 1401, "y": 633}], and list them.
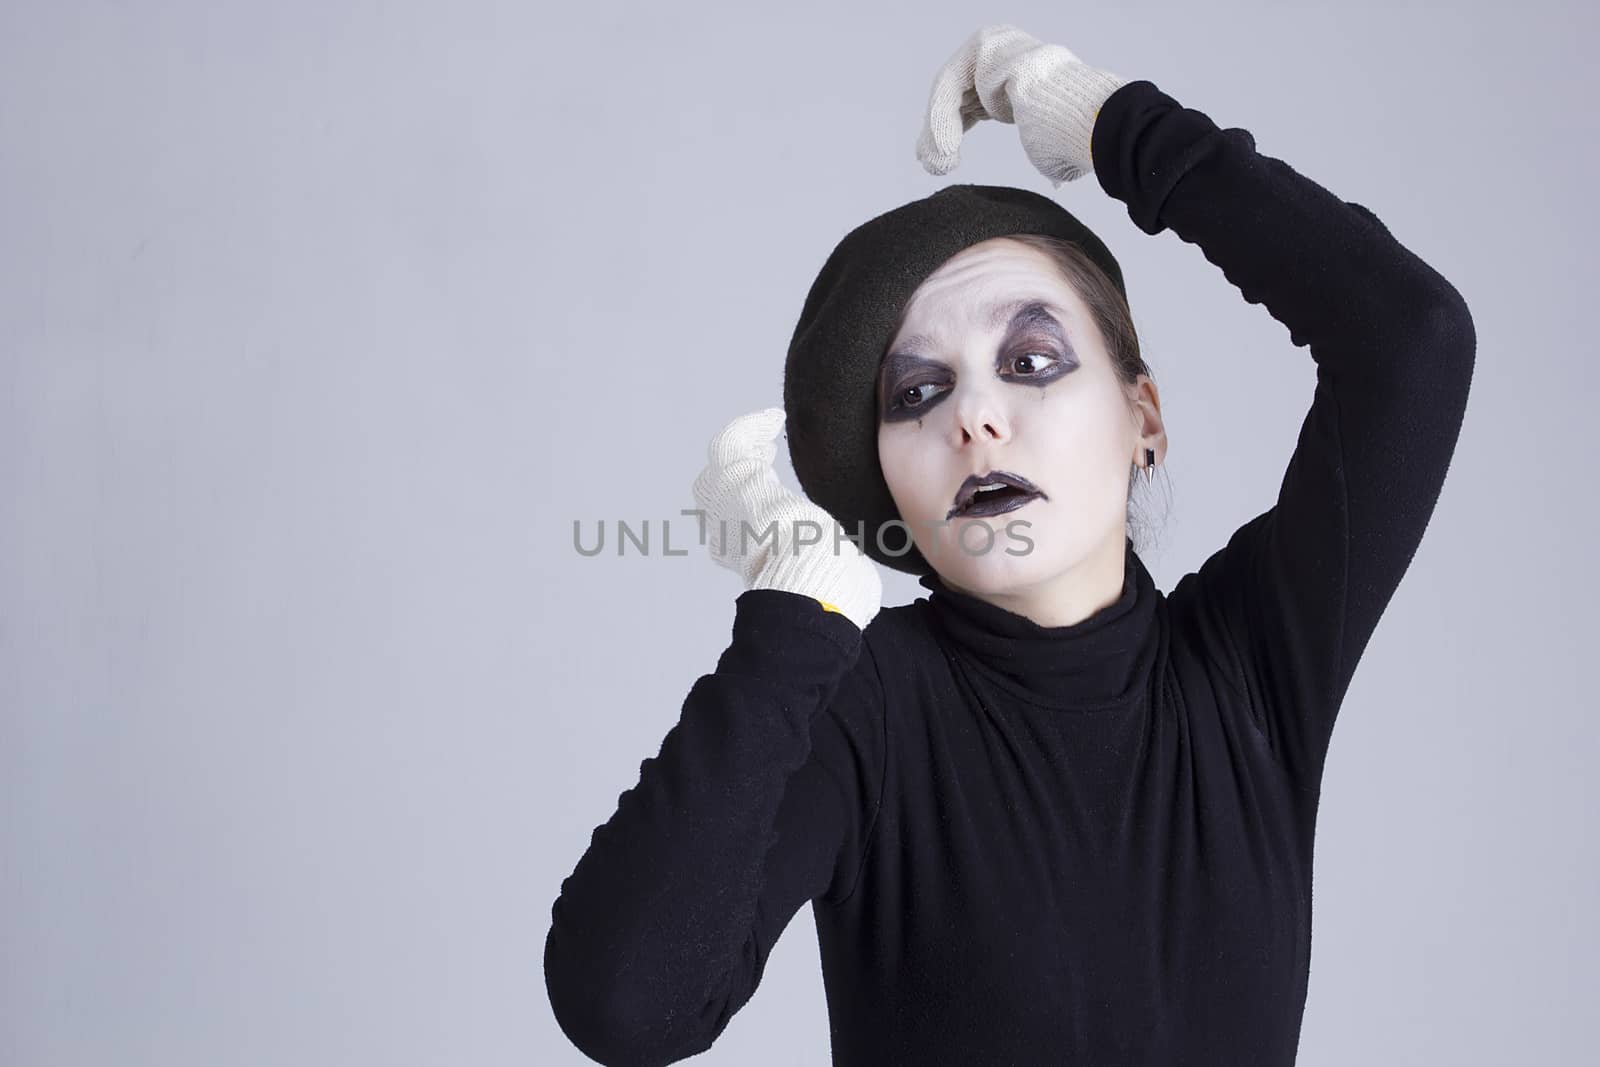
[{"x": 1301, "y": 587}]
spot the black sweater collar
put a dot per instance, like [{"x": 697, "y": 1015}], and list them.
[{"x": 1101, "y": 661}]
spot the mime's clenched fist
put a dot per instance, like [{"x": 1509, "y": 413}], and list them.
[{"x": 1005, "y": 74}]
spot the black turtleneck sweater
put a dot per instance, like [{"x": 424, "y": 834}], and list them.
[{"x": 1087, "y": 844}]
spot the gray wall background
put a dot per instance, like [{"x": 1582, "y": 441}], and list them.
[{"x": 320, "y": 324}]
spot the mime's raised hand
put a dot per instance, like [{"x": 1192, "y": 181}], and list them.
[
  {"x": 772, "y": 537},
  {"x": 1006, "y": 74}
]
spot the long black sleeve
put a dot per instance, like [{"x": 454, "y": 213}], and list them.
[
  {"x": 1301, "y": 587},
  {"x": 759, "y": 800}
]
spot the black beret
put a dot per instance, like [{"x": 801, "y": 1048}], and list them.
[{"x": 846, "y": 324}]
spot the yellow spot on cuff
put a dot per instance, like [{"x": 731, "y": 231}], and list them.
[{"x": 828, "y": 607}]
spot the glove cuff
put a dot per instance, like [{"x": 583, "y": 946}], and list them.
[
  {"x": 1073, "y": 100},
  {"x": 850, "y": 584}
]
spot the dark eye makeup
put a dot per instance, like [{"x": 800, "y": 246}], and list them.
[{"x": 919, "y": 384}]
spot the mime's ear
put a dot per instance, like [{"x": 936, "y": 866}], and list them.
[{"x": 1147, "y": 421}]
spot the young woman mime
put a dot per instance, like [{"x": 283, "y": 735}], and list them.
[{"x": 1047, "y": 814}]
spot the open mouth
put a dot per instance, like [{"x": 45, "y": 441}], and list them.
[{"x": 994, "y": 493}]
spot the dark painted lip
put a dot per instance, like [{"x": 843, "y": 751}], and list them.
[
  {"x": 988, "y": 508},
  {"x": 969, "y": 489}
]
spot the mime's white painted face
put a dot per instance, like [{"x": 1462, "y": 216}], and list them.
[{"x": 998, "y": 366}]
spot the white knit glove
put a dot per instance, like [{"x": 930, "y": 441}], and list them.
[
  {"x": 739, "y": 485},
  {"x": 1005, "y": 74}
]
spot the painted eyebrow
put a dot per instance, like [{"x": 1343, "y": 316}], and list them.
[
  {"x": 1028, "y": 311},
  {"x": 1024, "y": 313}
]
